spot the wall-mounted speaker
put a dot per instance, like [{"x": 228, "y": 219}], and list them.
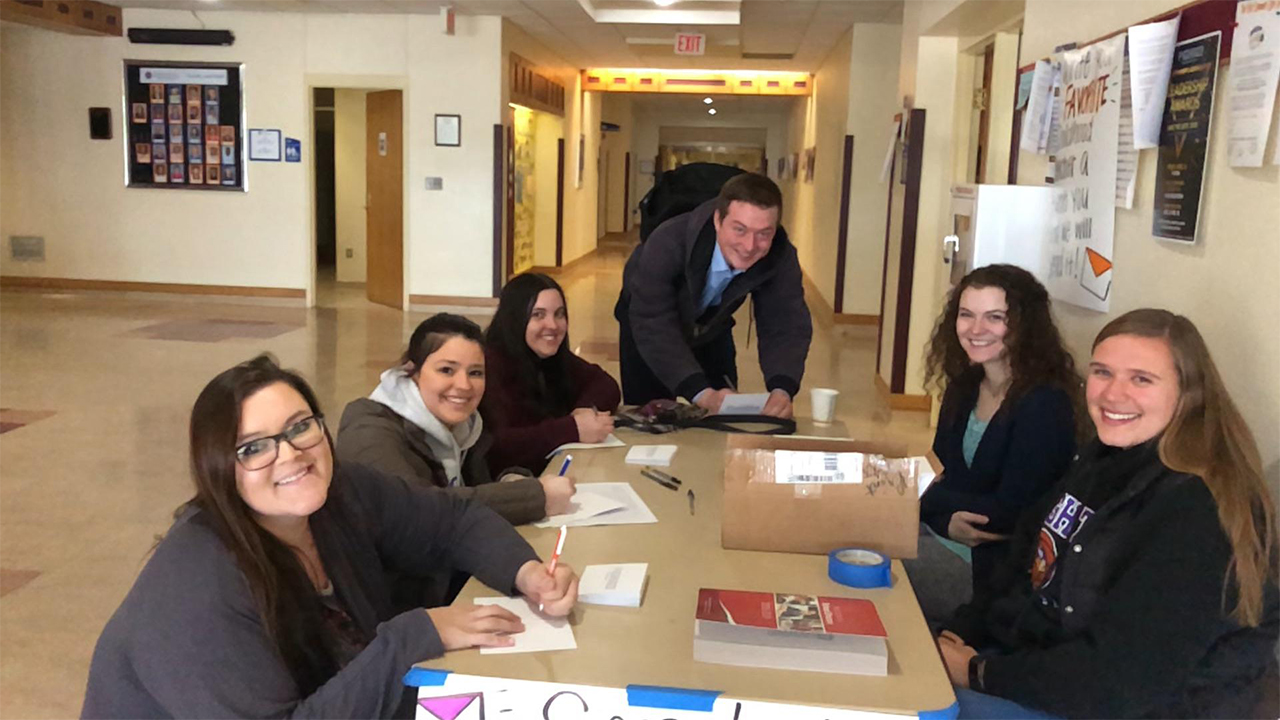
[{"x": 167, "y": 36}]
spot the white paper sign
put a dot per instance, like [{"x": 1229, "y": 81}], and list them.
[
  {"x": 1084, "y": 171},
  {"x": 183, "y": 76},
  {"x": 1036, "y": 119},
  {"x": 1251, "y": 84},
  {"x": 1150, "y": 58}
]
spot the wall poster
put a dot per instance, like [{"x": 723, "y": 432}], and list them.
[
  {"x": 1184, "y": 138},
  {"x": 185, "y": 128},
  {"x": 1083, "y": 164}
]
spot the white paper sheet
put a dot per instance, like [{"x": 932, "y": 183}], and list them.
[
  {"x": 1127, "y": 154},
  {"x": 887, "y": 167},
  {"x": 584, "y": 505},
  {"x": 1150, "y": 59},
  {"x": 815, "y": 466},
  {"x": 743, "y": 403},
  {"x": 632, "y": 512},
  {"x": 541, "y": 633},
  {"x": 1035, "y": 121},
  {"x": 924, "y": 474},
  {"x": 610, "y": 442},
  {"x": 1251, "y": 89}
]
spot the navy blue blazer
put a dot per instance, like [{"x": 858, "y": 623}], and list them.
[{"x": 1025, "y": 449}]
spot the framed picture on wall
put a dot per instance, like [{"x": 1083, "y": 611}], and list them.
[
  {"x": 449, "y": 130},
  {"x": 181, "y": 95}
]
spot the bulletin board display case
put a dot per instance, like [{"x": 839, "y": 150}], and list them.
[{"x": 185, "y": 125}]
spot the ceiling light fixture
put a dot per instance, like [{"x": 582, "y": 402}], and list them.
[
  {"x": 664, "y": 3},
  {"x": 712, "y": 111},
  {"x": 707, "y": 100}
]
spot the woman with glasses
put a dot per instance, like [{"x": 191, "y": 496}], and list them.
[
  {"x": 267, "y": 597},
  {"x": 422, "y": 424},
  {"x": 541, "y": 394}
]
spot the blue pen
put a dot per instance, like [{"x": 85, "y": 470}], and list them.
[{"x": 567, "y": 459}]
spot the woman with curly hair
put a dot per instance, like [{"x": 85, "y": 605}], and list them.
[{"x": 1007, "y": 428}]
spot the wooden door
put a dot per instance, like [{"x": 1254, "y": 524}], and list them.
[{"x": 384, "y": 209}]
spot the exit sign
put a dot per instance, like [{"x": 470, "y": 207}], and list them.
[{"x": 690, "y": 44}]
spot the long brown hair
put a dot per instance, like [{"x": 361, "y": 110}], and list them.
[
  {"x": 285, "y": 597},
  {"x": 1037, "y": 355},
  {"x": 1208, "y": 437},
  {"x": 546, "y": 383}
]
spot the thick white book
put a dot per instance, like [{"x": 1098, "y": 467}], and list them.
[
  {"x": 651, "y": 455},
  {"x": 621, "y": 585}
]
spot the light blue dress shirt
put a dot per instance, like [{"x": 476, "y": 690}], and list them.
[{"x": 719, "y": 274}]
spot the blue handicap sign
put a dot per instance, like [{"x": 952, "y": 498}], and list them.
[{"x": 292, "y": 150}]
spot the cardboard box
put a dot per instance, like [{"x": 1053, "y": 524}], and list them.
[{"x": 880, "y": 512}]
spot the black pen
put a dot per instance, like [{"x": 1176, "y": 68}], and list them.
[
  {"x": 690, "y": 493},
  {"x": 665, "y": 476},
  {"x": 658, "y": 480}
]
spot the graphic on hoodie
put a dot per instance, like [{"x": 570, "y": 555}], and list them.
[{"x": 1062, "y": 523}]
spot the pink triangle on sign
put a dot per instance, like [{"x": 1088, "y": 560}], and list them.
[{"x": 449, "y": 707}]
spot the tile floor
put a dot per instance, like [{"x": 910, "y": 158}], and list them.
[{"x": 97, "y": 388}]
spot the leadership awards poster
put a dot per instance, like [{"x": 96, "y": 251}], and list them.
[
  {"x": 1184, "y": 138},
  {"x": 1084, "y": 174}
]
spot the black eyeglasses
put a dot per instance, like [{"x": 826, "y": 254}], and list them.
[{"x": 262, "y": 452}]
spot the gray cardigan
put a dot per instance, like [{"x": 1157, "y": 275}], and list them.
[
  {"x": 662, "y": 284},
  {"x": 188, "y": 640}
]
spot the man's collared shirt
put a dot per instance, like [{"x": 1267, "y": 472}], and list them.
[{"x": 719, "y": 274}]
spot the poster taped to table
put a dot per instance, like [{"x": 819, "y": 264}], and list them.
[{"x": 450, "y": 696}]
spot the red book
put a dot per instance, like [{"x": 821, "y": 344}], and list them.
[{"x": 793, "y": 632}]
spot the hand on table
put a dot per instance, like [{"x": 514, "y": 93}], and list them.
[
  {"x": 593, "y": 425},
  {"x": 558, "y": 490},
  {"x": 557, "y": 593},
  {"x": 962, "y": 528},
  {"x": 778, "y": 405},
  {"x": 463, "y": 626},
  {"x": 711, "y": 399},
  {"x": 955, "y": 656}
]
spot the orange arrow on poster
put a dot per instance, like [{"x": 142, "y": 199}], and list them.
[{"x": 1099, "y": 264}]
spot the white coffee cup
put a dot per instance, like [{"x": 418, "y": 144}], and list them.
[{"x": 824, "y": 404}]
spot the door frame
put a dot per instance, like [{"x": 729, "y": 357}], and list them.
[{"x": 354, "y": 82}]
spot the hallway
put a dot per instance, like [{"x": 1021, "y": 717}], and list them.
[{"x": 97, "y": 393}]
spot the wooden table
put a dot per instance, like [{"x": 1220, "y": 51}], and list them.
[{"x": 653, "y": 644}]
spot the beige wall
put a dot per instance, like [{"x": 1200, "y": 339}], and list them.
[
  {"x": 550, "y": 130},
  {"x": 1227, "y": 282},
  {"x": 616, "y": 108},
  {"x": 349, "y": 182},
  {"x": 59, "y": 184},
  {"x": 873, "y": 101}
]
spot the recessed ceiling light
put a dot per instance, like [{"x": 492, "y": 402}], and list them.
[
  {"x": 712, "y": 111},
  {"x": 707, "y": 100},
  {"x": 664, "y": 3}
]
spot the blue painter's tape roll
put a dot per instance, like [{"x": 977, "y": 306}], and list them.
[
  {"x": 669, "y": 698},
  {"x": 858, "y": 568}
]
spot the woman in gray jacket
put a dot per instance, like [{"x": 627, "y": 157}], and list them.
[
  {"x": 421, "y": 424},
  {"x": 268, "y": 598}
]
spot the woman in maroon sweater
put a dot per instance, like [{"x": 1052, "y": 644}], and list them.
[{"x": 540, "y": 395}]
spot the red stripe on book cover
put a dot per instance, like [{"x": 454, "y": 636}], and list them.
[{"x": 792, "y": 613}]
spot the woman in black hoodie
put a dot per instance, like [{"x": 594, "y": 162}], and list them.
[{"x": 1145, "y": 585}]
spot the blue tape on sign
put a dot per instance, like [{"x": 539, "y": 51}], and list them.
[
  {"x": 425, "y": 677},
  {"x": 859, "y": 568},
  {"x": 950, "y": 712},
  {"x": 668, "y": 698}
]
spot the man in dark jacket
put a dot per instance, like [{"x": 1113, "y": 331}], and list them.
[{"x": 681, "y": 287}]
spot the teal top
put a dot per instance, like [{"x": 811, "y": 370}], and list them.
[{"x": 973, "y": 431}]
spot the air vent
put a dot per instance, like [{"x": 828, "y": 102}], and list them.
[
  {"x": 26, "y": 247},
  {"x": 767, "y": 56}
]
